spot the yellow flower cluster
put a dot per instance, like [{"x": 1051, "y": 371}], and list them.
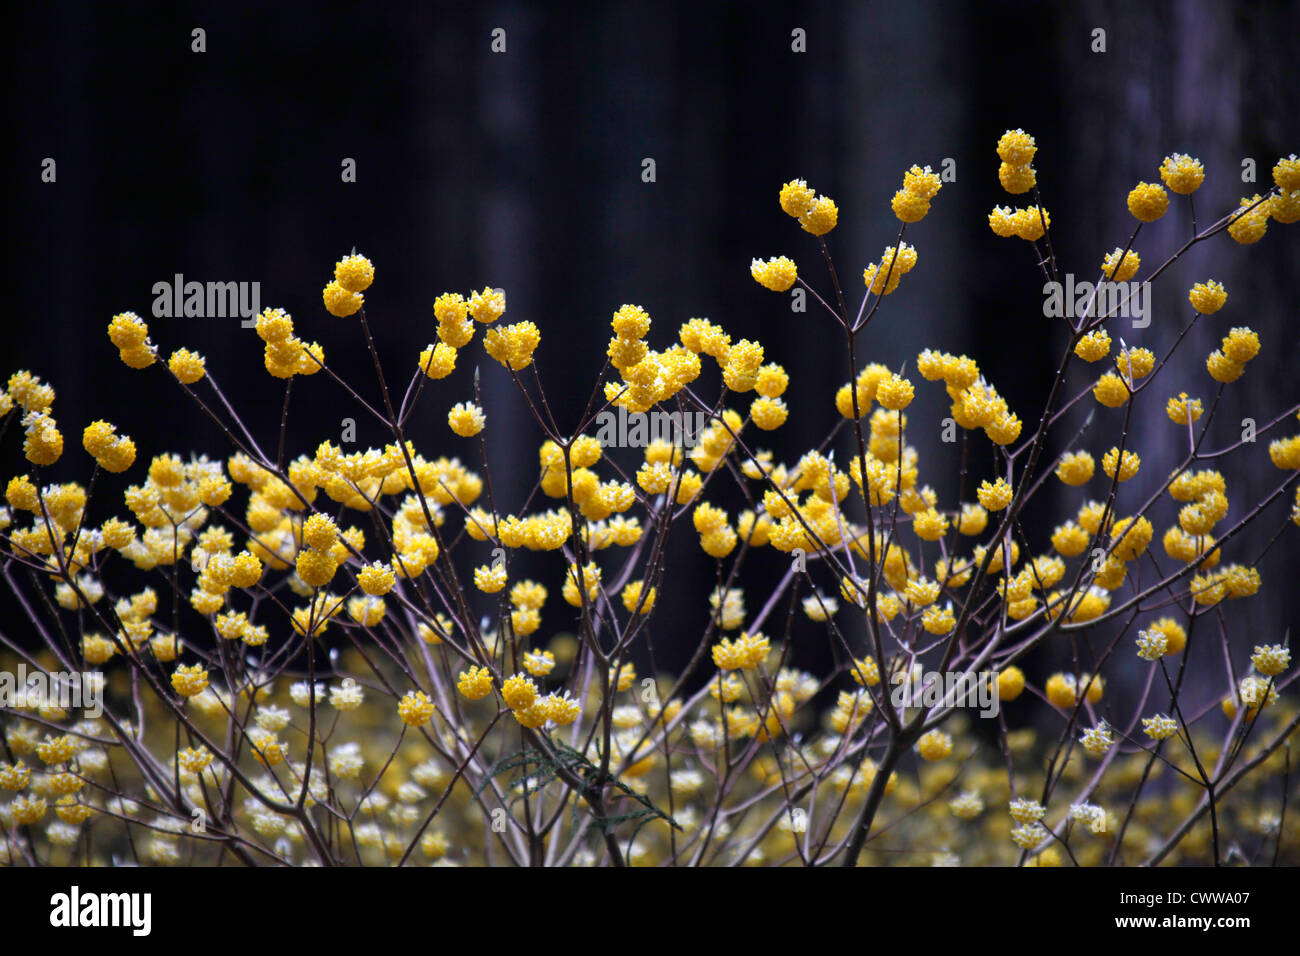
[
  {"x": 1182, "y": 173},
  {"x": 1119, "y": 269},
  {"x": 912, "y": 202},
  {"x": 1251, "y": 220},
  {"x": 816, "y": 214},
  {"x": 285, "y": 355},
  {"x": 650, "y": 377},
  {"x": 1016, "y": 149},
  {"x": 883, "y": 278},
  {"x": 1228, "y": 362},
  {"x": 746, "y": 652},
  {"x": 352, "y": 276},
  {"x": 466, "y": 419},
  {"x": 1147, "y": 202},
  {"x": 112, "y": 452},
  {"x": 777, "y": 274},
  {"x": 858, "y": 540}
]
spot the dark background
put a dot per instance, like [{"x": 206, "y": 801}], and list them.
[{"x": 523, "y": 170}]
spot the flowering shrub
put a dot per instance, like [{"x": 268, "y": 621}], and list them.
[{"x": 296, "y": 666}]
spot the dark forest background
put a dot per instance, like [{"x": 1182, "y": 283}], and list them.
[{"x": 523, "y": 170}]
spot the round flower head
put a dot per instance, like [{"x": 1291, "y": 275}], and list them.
[
  {"x": 28, "y": 810},
  {"x": 1159, "y": 727},
  {"x": 1222, "y": 368},
  {"x": 1061, "y": 691},
  {"x": 1090, "y": 815},
  {"x": 1002, "y": 222},
  {"x": 1016, "y": 147},
  {"x": 1250, "y": 221},
  {"x": 1031, "y": 224},
  {"x": 474, "y": 683},
  {"x": 316, "y": 568},
  {"x": 1182, "y": 174},
  {"x": 519, "y": 692},
  {"x": 1111, "y": 390},
  {"x": 466, "y": 419},
  {"x": 881, "y": 279},
  {"x": 771, "y": 381},
  {"x": 929, "y": 525},
  {"x": 1135, "y": 363},
  {"x": 43, "y": 443},
  {"x": 768, "y": 413},
  {"x": 777, "y": 274},
  {"x": 894, "y": 392},
  {"x": 354, "y": 273},
  {"x": 901, "y": 260},
  {"x": 1147, "y": 202},
  {"x": 1095, "y": 687},
  {"x": 339, "y": 301},
  {"x": 1241, "y": 345},
  {"x": 934, "y": 745},
  {"x": 128, "y": 331},
  {"x": 415, "y": 708},
  {"x": 1285, "y": 208},
  {"x": 1127, "y": 464},
  {"x": 796, "y": 197},
  {"x": 1126, "y": 270},
  {"x": 995, "y": 496},
  {"x": 820, "y": 217},
  {"x": 1010, "y": 683},
  {"x": 320, "y": 532},
  {"x": 908, "y": 206},
  {"x": 1151, "y": 645},
  {"x": 187, "y": 366},
  {"x": 1026, "y": 811},
  {"x": 1093, "y": 346},
  {"x": 138, "y": 358},
  {"x": 1285, "y": 452},
  {"x": 112, "y": 452},
  {"x": 1287, "y": 173},
  {"x": 1207, "y": 297},
  {"x": 923, "y": 183},
  {"x": 539, "y": 663},
  {"x": 633, "y": 322},
  {"x": 1076, "y": 468},
  {"x": 1030, "y": 836},
  {"x": 490, "y": 578},
  {"x": 274, "y": 326},
  {"x": 487, "y": 306},
  {"x": 1255, "y": 692},
  {"x": 866, "y": 672},
  {"x": 1271, "y": 660},
  {"x": 190, "y": 681},
  {"x": 1183, "y": 410},
  {"x": 438, "y": 361},
  {"x": 560, "y": 708},
  {"x": 513, "y": 345},
  {"x": 1016, "y": 179},
  {"x": 376, "y": 579},
  {"x": 966, "y": 805}
]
